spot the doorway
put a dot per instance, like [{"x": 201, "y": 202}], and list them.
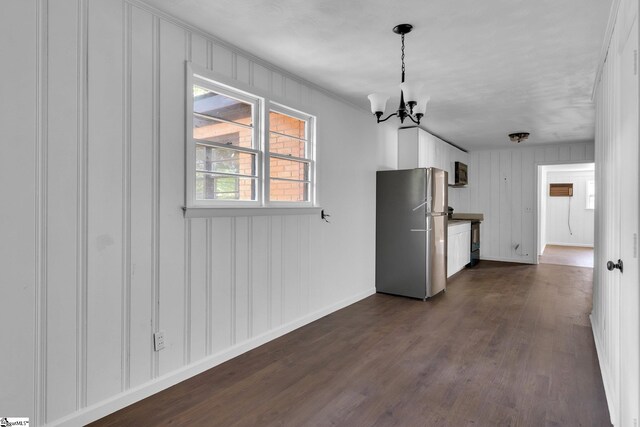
[{"x": 566, "y": 202}]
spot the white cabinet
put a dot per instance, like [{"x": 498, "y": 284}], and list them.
[
  {"x": 458, "y": 247},
  {"x": 417, "y": 148}
]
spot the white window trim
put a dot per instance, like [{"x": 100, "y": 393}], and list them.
[
  {"x": 193, "y": 208},
  {"x": 309, "y": 149}
]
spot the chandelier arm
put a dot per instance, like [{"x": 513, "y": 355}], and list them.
[
  {"x": 387, "y": 118},
  {"x": 413, "y": 120}
]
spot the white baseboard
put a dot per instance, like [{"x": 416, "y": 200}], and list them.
[
  {"x": 133, "y": 395},
  {"x": 578, "y": 245},
  {"x": 523, "y": 260},
  {"x": 542, "y": 250},
  {"x": 606, "y": 375}
]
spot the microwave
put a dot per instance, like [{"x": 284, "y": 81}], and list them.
[{"x": 460, "y": 174}]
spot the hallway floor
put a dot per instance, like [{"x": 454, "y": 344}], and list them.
[
  {"x": 567, "y": 255},
  {"x": 507, "y": 344}
]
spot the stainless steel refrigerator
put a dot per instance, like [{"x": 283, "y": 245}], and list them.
[{"x": 411, "y": 232}]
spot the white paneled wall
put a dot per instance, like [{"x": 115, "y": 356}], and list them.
[
  {"x": 502, "y": 186},
  {"x": 101, "y": 254},
  {"x": 557, "y": 230}
]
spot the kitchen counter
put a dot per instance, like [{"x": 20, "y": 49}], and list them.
[
  {"x": 454, "y": 222},
  {"x": 467, "y": 216}
]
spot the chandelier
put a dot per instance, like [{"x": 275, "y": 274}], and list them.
[{"x": 410, "y": 108}]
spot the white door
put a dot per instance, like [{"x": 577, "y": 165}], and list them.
[{"x": 628, "y": 181}]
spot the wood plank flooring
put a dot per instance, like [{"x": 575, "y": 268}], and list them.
[
  {"x": 567, "y": 255},
  {"x": 506, "y": 345}
]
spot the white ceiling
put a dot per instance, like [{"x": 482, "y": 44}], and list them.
[{"x": 491, "y": 67}]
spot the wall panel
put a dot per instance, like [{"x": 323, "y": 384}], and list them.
[
  {"x": 141, "y": 204},
  {"x": 260, "y": 275},
  {"x": 243, "y": 70},
  {"x": 515, "y": 204},
  {"x": 199, "y": 258},
  {"x": 222, "y": 327},
  {"x": 222, "y": 60},
  {"x": 199, "y": 50},
  {"x": 241, "y": 278},
  {"x": 277, "y": 258},
  {"x": 22, "y": 127},
  {"x": 105, "y": 202},
  {"x": 261, "y": 78},
  {"x": 173, "y": 48},
  {"x": 277, "y": 84},
  {"x": 62, "y": 190}
]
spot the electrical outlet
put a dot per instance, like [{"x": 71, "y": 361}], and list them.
[{"x": 158, "y": 340}]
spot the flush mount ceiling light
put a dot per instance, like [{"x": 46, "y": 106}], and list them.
[
  {"x": 409, "y": 92},
  {"x": 518, "y": 136}
]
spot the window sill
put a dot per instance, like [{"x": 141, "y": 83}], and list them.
[{"x": 248, "y": 211}]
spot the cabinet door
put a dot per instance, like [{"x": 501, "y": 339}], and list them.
[
  {"x": 459, "y": 251},
  {"x": 427, "y": 150},
  {"x": 408, "y": 149},
  {"x": 453, "y": 157},
  {"x": 452, "y": 250},
  {"x": 465, "y": 248},
  {"x": 449, "y": 156}
]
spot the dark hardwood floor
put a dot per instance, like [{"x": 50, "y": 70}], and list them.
[{"x": 506, "y": 345}]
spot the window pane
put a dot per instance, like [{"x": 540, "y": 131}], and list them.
[
  {"x": 214, "y": 159},
  {"x": 213, "y": 104},
  {"x": 289, "y": 169},
  {"x": 222, "y": 132},
  {"x": 288, "y": 191},
  {"x": 288, "y": 125},
  {"x": 284, "y": 145},
  {"x": 211, "y": 186}
]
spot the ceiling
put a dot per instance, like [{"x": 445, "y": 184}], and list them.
[{"x": 491, "y": 67}]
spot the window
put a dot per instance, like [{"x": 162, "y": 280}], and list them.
[
  {"x": 290, "y": 163},
  {"x": 226, "y": 149},
  {"x": 241, "y": 156},
  {"x": 591, "y": 194}
]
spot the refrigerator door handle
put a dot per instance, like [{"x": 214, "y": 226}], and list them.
[
  {"x": 419, "y": 229},
  {"x": 427, "y": 200}
]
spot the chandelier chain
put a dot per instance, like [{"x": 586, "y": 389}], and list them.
[{"x": 402, "y": 57}]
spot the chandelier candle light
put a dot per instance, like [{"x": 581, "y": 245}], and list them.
[{"x": 411, "y": 108}]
